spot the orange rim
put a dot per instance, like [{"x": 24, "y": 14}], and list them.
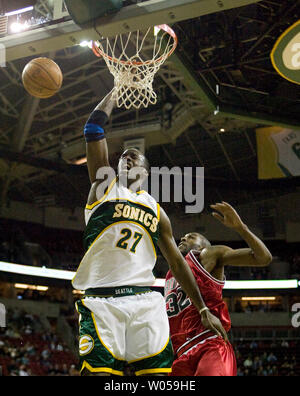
[{"x": 99, "y": 53}]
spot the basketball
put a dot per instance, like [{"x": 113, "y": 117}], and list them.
[{"x": 42, "y": 78}]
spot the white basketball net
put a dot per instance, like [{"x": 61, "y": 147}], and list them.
[{"x": 126, "y": 59}]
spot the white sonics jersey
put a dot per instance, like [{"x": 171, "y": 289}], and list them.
[{"x": 120, "y": 240}]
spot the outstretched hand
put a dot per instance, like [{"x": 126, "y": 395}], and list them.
[
  {"x": 227, "y": 215},
  {"x": 214, "y": 324}
]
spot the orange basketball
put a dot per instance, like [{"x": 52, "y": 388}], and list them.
[{"x": 42, "y": 78}]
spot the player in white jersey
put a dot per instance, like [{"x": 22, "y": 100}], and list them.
[{"x": 121, "y": 319}]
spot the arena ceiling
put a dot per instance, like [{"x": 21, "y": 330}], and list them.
[{"x": 220, "y": 86}]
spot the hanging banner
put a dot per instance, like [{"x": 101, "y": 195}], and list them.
[
  {"x": 278, "y": 152},
  {"x": 285, "y": 55}
]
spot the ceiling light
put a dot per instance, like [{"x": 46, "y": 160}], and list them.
[
  {"x": 31, "y": 287},
  {"x": 69, "y": 275},
  {"x": 18, "y": 12},
  {"x": 81, "y": 161},
  {"x": 86, "y": 43},
  {"x": 258, "y": 298},
  {"x": 17, "y": 27},
  {"x": 222, "y": 130}
]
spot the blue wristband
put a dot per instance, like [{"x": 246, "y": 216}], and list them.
[
  {"x": 93, "y": 130},
  {"x": 93, "y": 133}
]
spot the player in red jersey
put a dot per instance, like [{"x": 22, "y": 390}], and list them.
[{"x": 198, "y": 351}]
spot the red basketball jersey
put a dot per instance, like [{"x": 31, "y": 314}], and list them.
[{"x": 185, "y": 322}]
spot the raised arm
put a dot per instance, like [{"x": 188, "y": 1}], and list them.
[
  {"x": 257, "y": 255},
  {"x": 184, "y": 275},
  {"x": 96, "y": 145}
]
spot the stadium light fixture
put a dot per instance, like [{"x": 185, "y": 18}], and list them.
[
  {"x": 30, "y": 287},
  {"x": 17, "y": 27},
  {"x": 81, "y": 161},
  {"x": 261, "y": 284},
  {"x": 258, "y": 298},
  {"x": 86, "y": 43},
  {"x": 18, "y": 12},
  {"x": 69, "y": 275}
]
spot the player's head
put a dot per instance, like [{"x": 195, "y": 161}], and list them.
[
  {"x": 192, "y": 241},
  {"x": 133, "y": 158}
]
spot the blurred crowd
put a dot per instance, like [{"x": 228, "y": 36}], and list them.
[
  {"x": 28, "y": 349},
  {"x": 268, "y": 358},
  {"x": 33, "y": 244},
  {"x": 262, "y": 307}
]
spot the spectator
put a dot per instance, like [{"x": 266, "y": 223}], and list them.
[
  {"x": 272, "y": 358},
  {"x": 275, "y": 371},
  {"x": 273, "y": 344},
  {"x": 286, "y": 364},
  {"x": 240, "y": 373},
  {"x": 30, "y": 349},
  {"x": 269, "y": 371},
  {"x": 248, "y": 363},
  {"x": 28, "y": 330},
  {"x": 253, "y": 345},
  {"x": 284, "y": 344},
  {"x": 264, "y": 358},
  {"x": 261, "y": 372},
  {"x": 293, "y": 362},
  {"x": 257, "y": 363},
  {"x": 59, "y": 347},
  {"x": 23, "y": 372},
  {"x": 247, "y": 373},
  {"x": 45, "y": 354}
]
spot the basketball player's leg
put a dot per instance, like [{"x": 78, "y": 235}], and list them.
[
  {"x": 102, "y": 338},
  {"x": 185, "y": 366},
  {"x": 148, "y": 346},
  {"x": 217, "y": 360}
]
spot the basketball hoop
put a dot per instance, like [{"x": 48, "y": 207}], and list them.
[{"x": 133, "y": 59}]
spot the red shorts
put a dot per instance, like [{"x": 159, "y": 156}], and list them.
[{"x": 212, "y": 358}]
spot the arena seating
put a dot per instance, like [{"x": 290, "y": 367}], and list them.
[
  {"x": 268, "y": 358},
  {"x": 29, "y": 350}
]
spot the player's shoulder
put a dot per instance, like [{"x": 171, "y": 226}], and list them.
[
  {"x": 216, "y": 250},
  {"x": 100, "y": 188}
]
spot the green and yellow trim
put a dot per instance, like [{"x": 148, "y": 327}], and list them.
[
  {"x": 90, "y": 207},
  {"x": 158, "y": 212},
  {"x": 278, "y": 42},
  {"x": 153, "y": 371},
  {"x": 98, "y": 334},
  {"x": 91, "y": 369}
]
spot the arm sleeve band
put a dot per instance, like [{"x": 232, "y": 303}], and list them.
[{"x": 93, "y": 130}]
